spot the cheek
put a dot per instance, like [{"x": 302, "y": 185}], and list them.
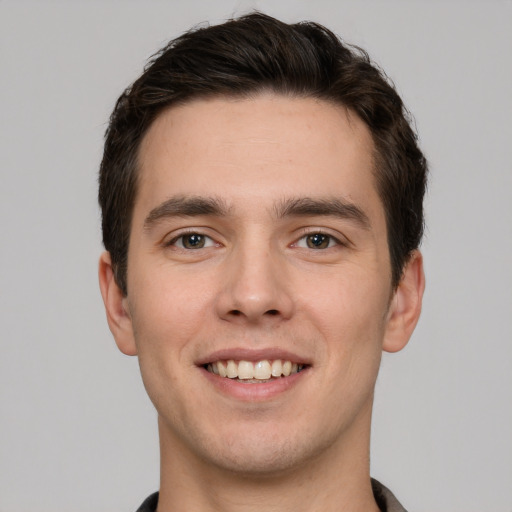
[
  {"x": 169, "y": 296},
  {"x": 163, "y": 326},
  {"x": 346, "y": 302},
  {"x": 166, "y": 314},
  {"x": 350, "y": 318}
]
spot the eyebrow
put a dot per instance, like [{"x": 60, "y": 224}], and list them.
[
  {"x": 181, "y": 206},
  {"x": 331, "y": 207}
]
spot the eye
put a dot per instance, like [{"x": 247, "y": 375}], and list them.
[
  {"x": 192, "y": 241},
  {"x": 317, "y": 241}
]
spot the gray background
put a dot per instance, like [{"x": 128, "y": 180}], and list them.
[{"x": 77, "y": 430}]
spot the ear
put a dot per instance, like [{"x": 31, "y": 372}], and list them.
[
  {"x": 116, "y": 307},
  {"x": 405, "y": 308}
]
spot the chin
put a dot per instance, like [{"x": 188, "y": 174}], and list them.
[
  {"x": 258, "y": 461},
  {"x": 268, "y": 452}
]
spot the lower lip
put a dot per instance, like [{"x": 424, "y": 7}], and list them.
[{"x": 254, "y": 392}]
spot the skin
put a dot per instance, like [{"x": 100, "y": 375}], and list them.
[{"x": 255, "y": 287}]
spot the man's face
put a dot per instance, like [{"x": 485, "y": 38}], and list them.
[{"x": 258, "y": 236}]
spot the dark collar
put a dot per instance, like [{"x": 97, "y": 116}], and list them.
[{"x": 383, "y": 496}]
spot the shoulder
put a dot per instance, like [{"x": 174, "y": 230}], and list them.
[
  {"x": 149, "y": 504},
  {"x": 385, "y": 499}
]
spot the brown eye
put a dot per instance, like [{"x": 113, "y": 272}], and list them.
[
  {"x": 192, "y": 241},
  {"x": 318, "y": 241}
]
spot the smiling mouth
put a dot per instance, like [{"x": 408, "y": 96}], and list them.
[{"x": 254, "y": 372}]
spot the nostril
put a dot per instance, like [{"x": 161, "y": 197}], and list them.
[{"x": 241, "y": 313}]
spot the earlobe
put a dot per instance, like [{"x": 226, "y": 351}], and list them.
[
  {"x": 405, "y": 308},
  {"x": 116, "y": 307}
]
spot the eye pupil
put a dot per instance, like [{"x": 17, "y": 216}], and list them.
[
  {"x": 318, "y": 241},
  {"x": 193, "y": 241}
]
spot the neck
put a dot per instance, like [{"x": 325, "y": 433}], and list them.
[{"x": 336, "y": 479}]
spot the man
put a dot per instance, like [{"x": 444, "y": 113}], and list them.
[{"x": 261, "y": 192}]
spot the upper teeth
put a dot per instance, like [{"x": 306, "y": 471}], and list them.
[{"x": 260, "y": 370}]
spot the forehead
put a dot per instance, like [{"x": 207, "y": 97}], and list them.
[{"x": 257, "y": 149}]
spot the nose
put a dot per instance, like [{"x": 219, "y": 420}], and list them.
[{"x": 254, "y": 288}]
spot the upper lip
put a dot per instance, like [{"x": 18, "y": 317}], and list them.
[{"x": 253, "y": 355}]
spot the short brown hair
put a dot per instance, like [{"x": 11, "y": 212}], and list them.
[{"x": 245, "y": 56}]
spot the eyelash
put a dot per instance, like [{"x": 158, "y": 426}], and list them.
[
  {"x": 332, "y": 240},
  {"x": 185, "y": 234},
  {"x": 304, "y": 236}
]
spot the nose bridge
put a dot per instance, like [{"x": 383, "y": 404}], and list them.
[{"x": 255, "y": 285}]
